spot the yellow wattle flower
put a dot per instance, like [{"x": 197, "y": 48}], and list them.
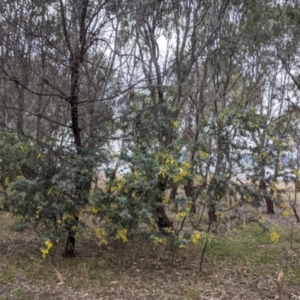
[
  {"x": 44, "y": 252},
  {"x": 180, "y": 215},
  {"x": 48, "y": 244},
  {"x": 195, "y": 237},
  {"x": 122, "y": 235},
  {"x": 274, "y": 235}
]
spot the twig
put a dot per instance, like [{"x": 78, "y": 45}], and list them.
[
  {"x": 293, "y": 206},
  {"x": 204, "y": 248},
  {"x": 281, "y": 293}
]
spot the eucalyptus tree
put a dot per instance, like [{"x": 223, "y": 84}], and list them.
[
  {"x": 172, "y": 40},
  {"x": 17, "y": 52},
  {"x": 219, "y": 102},
  {"x": 286, "y": 37},
  {"x": 273, "y": 37},
  {"x": 245, "y": 81}
]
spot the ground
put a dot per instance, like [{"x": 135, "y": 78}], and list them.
[{"x": 239, "y": 264}]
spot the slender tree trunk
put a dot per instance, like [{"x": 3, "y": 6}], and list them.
[
  {"x": 190, "y": 193},
  {"x": 268, "y": 199},
  {"x": 162, "y": 220},
  {"x": 212, "y": 211},
  {"x": 293, "y": 204},
  {"x": 75, "y": 63},
  {"x": 211, "y": 202},
  {"x": 173, "y": 194},
  {"x": 214, "y": 187}
]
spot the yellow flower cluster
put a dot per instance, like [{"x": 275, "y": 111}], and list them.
[
  {"x": 168, "y": 163},
  {"x": 6, "y": 181},
  {"x": 195, "y": 237},
  {"x": 24, "y": 148},
  {"x": 181, "y": 215},
  {"x": 261, "y": 218},
  {"x": 119, "y": 184},
  {"x": 162, "y": 171},
  {"x": 169, "y": 230},
  {"x": 45, "y": 250},
  {"x": 168, "y": 160},
  {"x": 286, "y": 213},
  {"x": 122, "y": 235},
  {"x": 65, "y": 217},
  {"x": 198, "y": 180},
  {"x": 248, "y": 198},
  {"x": 203, "y": 155},
  {"x": 174, "y": 124},
  {"x": 160, "y": 241},
  {"x": 189, "y": 205},
  {"x": 181, "y": 241},
  {"x": 107, "y": 219},
  {"x": 74, "y": 228},
  {"x": 165, "y": 199},
  {"x": 184, "y": 171},
  {"x": 101, "y": 235},
  {"x": 283, "y": 205},
  {"x": 274, "y": 235},
  {"x": 94, "y": 210}
]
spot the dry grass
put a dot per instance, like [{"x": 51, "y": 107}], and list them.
[{"x": 241, "y": 264}]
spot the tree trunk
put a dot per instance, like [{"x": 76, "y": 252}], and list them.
[
  {"x": 76, "y": 58},
  {"x": 269, "y": 201},
  {"x": 162, "y": 220},
  {"x": 212, "y": 212},
  {"x": 172, "y": 196},
  {"x": 173, "y": 192},
  {"x": 70, "y": 244},
  {"x": 189, "y": 192},
  {"x": 214, "y": 196},
  {"x": 293, "y": 205}
]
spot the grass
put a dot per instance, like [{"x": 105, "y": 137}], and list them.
[
  {"x": 252, "y": 247},
  {"x": 20, "y": 294},
  {"x": 244, "y": 260}
]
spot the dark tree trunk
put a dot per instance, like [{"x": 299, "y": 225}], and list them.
[
  {"x": 212, "y": 212},
  {"x": 76, "y": 58},
  {"x": 269, "y": 201},
  {"x": 295, "y": 211},
  {"x": 190, "y": 193},
  {"x": 162, "y": 220},
  {"x": 214, "y": 195},
  {"x": 270, "y": 205},
  {"x": 70, "y": 244},
  {"x": 293, "y": 205},
  {"x": 173, "y": 192},
  {"x": 172, "y": 196}
]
